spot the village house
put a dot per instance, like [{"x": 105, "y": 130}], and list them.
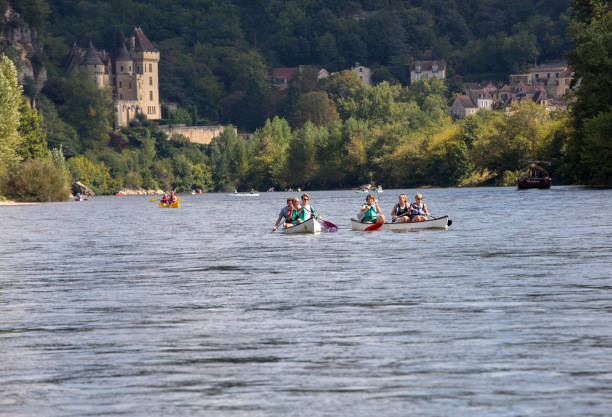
[
  {"x": 281, "y": 77},
  {"x": 427, "y": 70},
  {"x": 463, "y": 106},
  {"x": 554, "y": 78},
  {"x": 132, "y": 75},
  {"x": 364, "y": 73},
  {"x": 546, "y": 85}
]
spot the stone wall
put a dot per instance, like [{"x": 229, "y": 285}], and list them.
[{"x": 197, "y": 134}]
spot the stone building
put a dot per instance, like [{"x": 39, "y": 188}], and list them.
[
  {"x": 427, "y": 70},
  {"x": 364, "y": 73},
  {"x": 132, "y": 75}
]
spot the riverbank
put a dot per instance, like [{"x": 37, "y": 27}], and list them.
[{"x": 15, "y": 203}]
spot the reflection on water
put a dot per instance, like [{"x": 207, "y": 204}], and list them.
[{"x": 114, "y": 306}]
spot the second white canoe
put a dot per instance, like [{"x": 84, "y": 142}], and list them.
[{"x": 437, "y": 223}]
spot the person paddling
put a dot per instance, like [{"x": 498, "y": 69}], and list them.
[
  {"x": 401, "y": 210},
  {"x": 284, "y": 213},
  {"x": 293, "y": 217},
  {"x": 418, "y": 210},
  {"x": 371, "y": 211},
  {"x": 307, "y": 210},
  {"x": 164, "y": 199}
]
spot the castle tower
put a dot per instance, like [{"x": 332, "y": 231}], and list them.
[
  {"x": 146, "y": 59},
  {"x": 92, "y": 61},
  {"x": 125, "y": 81}
]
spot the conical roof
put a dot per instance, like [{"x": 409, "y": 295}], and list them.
[
  {"x": 91, "y": 57},
  {"x": 141, "y": 42},
  {"x": 123, "y": 55}
]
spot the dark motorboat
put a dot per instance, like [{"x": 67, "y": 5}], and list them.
[{"x": 537, "y": 177}]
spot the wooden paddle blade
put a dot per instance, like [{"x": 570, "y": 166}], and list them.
[
  {"x": 152, "y": 200},
  {"x": 375, "y": 226}
]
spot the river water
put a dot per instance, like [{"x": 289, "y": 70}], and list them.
[{"x": 115, "y": 306}]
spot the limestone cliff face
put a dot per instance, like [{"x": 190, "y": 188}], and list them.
[{"x": 21, "y": 43}]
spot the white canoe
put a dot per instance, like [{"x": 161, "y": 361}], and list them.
[
  {"x": 309, "y": 226},
  {"x": 246, "y": 194},
  {"x": 437, "y": 223}
]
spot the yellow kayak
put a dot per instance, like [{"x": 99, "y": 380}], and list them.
[{"x": 169, "y": 205}]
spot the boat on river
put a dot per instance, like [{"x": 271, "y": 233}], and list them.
[
  {"x": 176, "y": 204},
  {"x": 311, "y": 225},
  {"x": 246, "y": 194},
  {"x": 537, "y": 176},
  {"x": 436, "y": 223}
]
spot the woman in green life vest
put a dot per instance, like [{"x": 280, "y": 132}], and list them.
[{"x": 371, "y": 211}]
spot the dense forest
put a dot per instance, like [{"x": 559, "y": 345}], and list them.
[
  {"x": 215, "y": 53},
  {"x": 332, "y": 133}
]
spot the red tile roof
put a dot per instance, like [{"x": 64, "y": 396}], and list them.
[{"x": 283, "y": 73}]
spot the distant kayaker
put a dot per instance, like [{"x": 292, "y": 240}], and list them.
[
  {"x": 371, "y": 211},
  {"x": 307, "y": 211},
  {"x": 401, "y": 210},
  {"x": 164, "y": 199},
  {"x": 284, "y": 213},
  {"x": 418, "y": 210}
]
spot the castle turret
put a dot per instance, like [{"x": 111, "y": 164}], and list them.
[
  {"x": 124, "y": 63},
  {"x": 92, "y": 61}
]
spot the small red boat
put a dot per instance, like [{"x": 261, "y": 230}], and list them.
[{"x": 119, "y": 194}]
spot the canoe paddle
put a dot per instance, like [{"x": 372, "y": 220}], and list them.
[
  {"x": 329, "y": 226},
  {"x": 375, "y": 226}
]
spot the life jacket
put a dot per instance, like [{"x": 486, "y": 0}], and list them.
[
  {"x": 399, "y": 211},
  {"x": 370, "y": 214},
  {"x": 294, "y": 216},
  {"x": 164, "y": 199},
  {"x": 417, "y": 209},
  {"x": 303, "y": 213}
]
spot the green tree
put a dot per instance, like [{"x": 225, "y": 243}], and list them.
[
  {"x": 33, "y": 141},
  {"x": 10, "y": 99},
  {"x": 315, "y": 107},
  {"x": 35, "y": 181},
  {"x": 85, "y": 106},
  {"x": 590, "y": 147}
]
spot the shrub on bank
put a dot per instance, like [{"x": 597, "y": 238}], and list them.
[{"x": 34, "y": 181}]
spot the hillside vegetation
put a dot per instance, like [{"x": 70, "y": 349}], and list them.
[{"x": 335, "y": 132}]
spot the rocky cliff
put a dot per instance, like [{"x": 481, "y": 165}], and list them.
[{"x": 20, "y": 43}]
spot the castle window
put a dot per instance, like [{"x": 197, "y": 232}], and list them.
[
  {"x": 434, "y": 68},
  {"x": 130, "y": 68},
  {"x": 418, "y": 68},
  {"x": 150, "y": 80},
  {"x": 130, "y": 85},
  {"x": 122, "y": 68},
  {"x": 150, "y": 67},
  {"x": 150, "y": 95},
  {"x": 120, "y": 84}
]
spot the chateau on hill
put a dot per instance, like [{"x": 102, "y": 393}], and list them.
[{"x": 132, "y": 74}]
